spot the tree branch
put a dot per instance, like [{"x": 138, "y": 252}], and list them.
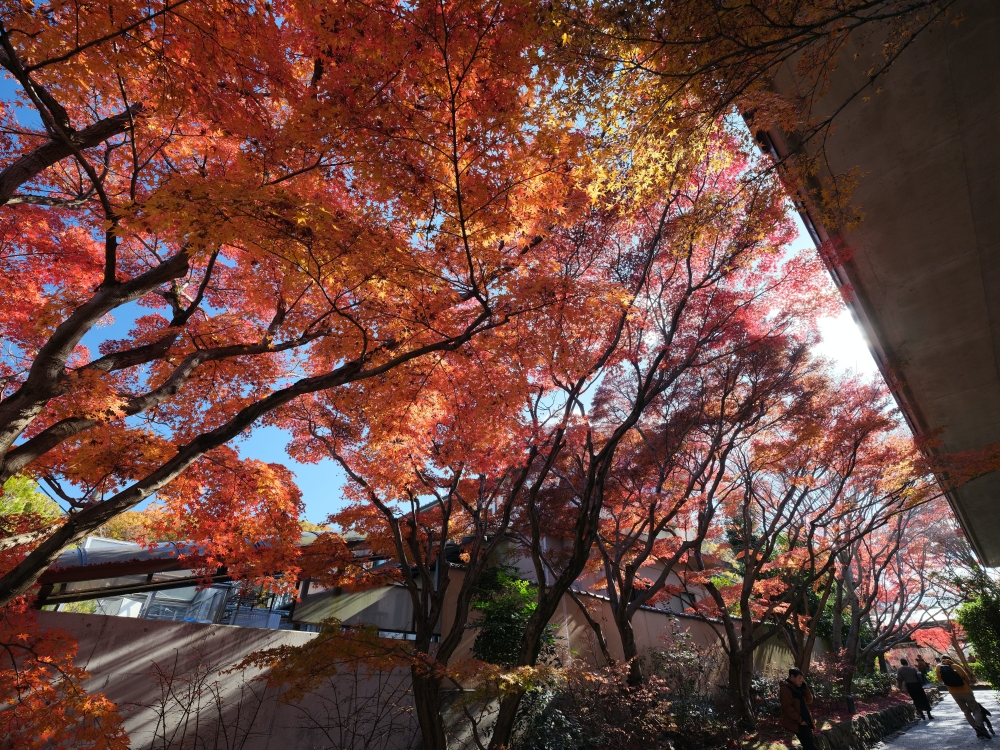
[{"x": 41, "y": 158}]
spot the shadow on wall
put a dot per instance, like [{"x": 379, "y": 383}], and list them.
[{"x": 176, "y": 688}]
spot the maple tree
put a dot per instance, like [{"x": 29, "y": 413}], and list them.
[
  {"x": 887, "y": 583},
  {"x": 667, "y": 485},
  {"x": 939, "y": 639},
  {"x": 43, "y": 702},
  {"x": 897, "y": 581},
  {"x": 698, "y": 60},
  {"x": 491, "y": 446},
  {"x": 734, "y": 49},
  {"x": 307, "y": 212},
  {"x": 446, "y": 462},
  {"x": 709, "y": 290},
  {"x": 894, "y": 579},
  {"x": 958, "y": 580},
  {"x": 806, "y": 619},
  {"x": 414, "y": 497},
  {"x": 383, "y": 227},
  {"x": 877, "y": 542},
  {"x": 278, "y": 232},
  {"x": 834, "y": 457}
]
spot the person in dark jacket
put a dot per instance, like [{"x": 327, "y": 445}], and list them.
[
  {"x": 795, "y": 698},
  {"x": 924, "y": 668},
  {"x": 908, "y": 678}
]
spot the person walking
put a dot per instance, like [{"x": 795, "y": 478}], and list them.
[
  {"x": 923, "y": 667},
  {"x": 937, "y": 665},
  {"x": 908, "y": 678},
  {"x": 795, "y": 698},
  {"x": 959, "y": 684}
]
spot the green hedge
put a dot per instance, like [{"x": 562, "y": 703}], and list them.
[{"x": 981, "y": 620}]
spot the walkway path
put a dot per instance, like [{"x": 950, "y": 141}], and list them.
[{"x": 949, "y": 729}]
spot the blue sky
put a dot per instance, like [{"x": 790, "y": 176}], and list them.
[{"x": 320, "y": 483}]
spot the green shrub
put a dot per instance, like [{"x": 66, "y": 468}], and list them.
[
  {"x": 981, "y": 620},
  {"x": 826, "y": 681},
  {"x": 505, "y": 603},
  {"x": 877, "y": 685},
  {"x": 687, "y": 668},
  {"x": 689, "y": 671},
  {"x": 600, "y": 710},
  {"x": 542, "y": 724},
  {"x": 595, "y": 711},
  {"x": 766, "y": 696}
]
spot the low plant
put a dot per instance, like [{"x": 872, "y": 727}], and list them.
[
  {"x": 698, "y": 717},
  {"x": 764, "y": 691},
  {"x": 875, "y": 685},
  {"x": 542, "y": 724},
  {"x": 593, "y": 710},
  {"x": 827, "y": 681},
  {"x": 685, "y": 666}
]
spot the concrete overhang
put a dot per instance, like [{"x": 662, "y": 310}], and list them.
[{"x": 924, "y": 277}]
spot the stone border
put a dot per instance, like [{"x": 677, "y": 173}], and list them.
[{"x": 866, "y": 731}]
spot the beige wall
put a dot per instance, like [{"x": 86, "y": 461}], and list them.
[
  {"x": 228, "y": 711},
  {"x": 124, "y": 656},
  {"x": 654, "y": 629}
]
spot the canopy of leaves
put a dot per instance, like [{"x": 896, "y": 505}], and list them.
[
  {"x": 500, "y": 260},
  {"x": 20, "y": 495}
]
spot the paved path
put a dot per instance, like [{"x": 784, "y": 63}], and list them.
[{"x": 949, "y": 728}]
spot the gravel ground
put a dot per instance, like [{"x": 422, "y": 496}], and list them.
[{"x": 948, "y": 730}]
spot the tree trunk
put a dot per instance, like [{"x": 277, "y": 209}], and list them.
[
  {"x": 595, "y": 626},
  {"x": 867, "y": 664},
  {"x": 531, "y": 643},
  {"x": 848, "y": 685},
  {"x": 852, "y": 649},
  {"x": 740, "y": 679},
  {"x": 427, "y": 701},
  {"x": 804, "y": 660},
  {"x": 793, "y": 638},
  {"x": 848, "y": 667},
  {"x": 838, "y": 620},
  {"x": 630, "y": 651},
  {"x": 958, "y": 647},
  {"x": 506, "y": 716}
]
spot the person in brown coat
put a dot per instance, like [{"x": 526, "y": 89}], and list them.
[
  {"x": 959, "y": 684},
  {"x": 795, "y": 700},
  {"x": 924, "y": 668}
]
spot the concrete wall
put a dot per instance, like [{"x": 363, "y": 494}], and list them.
[
  {"x": 924, "y": 276},
  {"x": 172, "y": 683},
  {"x": 169, "y": 680},
  {"x": 654, "y": 629}
]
